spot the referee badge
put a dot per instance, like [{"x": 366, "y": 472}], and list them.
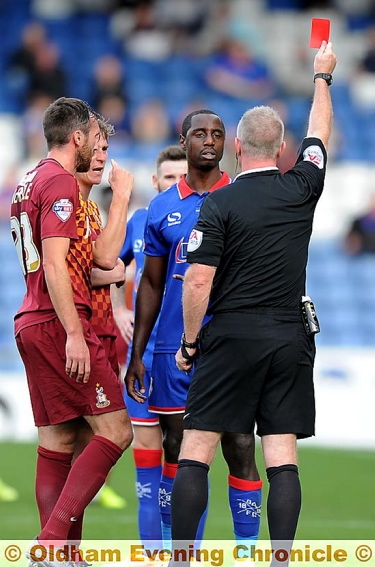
[
  {"x": 195, "y": 240},
  {"x": 315, "y": 155}
]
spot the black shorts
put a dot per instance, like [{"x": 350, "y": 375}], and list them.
[{"x": 255, "y": 367}]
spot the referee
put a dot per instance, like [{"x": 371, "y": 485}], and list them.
[{"x": 248, "y": 256}]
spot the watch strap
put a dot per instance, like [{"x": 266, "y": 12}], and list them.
[{"x": 326, "y": 76}]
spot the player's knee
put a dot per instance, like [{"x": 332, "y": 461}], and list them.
[
  {"x": 172, "y": 445},
  {"x": 239, "y": 454},
  {"x": 123, "y": 437}
]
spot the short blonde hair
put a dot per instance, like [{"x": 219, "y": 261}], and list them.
[{"x": 261, "y": 132}]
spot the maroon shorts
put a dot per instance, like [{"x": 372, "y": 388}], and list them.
[
  {"x": 55, "y": 397},
  {"x": 110, "y": 348}
]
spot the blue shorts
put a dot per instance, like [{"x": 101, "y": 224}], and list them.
[
  {"x": 169, "y": 385},
  {"x": 139, "y": 413}
]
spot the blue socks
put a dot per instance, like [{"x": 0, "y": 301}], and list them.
[
  {"x": 245, "y": 498},
  {"x": 148, "y": 471}
]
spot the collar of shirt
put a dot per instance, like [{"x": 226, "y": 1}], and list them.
[
  {"x": 184, "y": 190},
  {"x": 256, "y": 170}
]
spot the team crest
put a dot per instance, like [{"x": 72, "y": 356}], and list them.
[
  {"x": 101, "y": 398},
  {"x": 195, "y": 240},
  {"x": 62, "y": 208}
]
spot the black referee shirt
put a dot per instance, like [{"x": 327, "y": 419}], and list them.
[{"x": 256, "y": 231}]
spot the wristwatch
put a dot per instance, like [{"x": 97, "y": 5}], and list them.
[{"x": 326, "y": 76}]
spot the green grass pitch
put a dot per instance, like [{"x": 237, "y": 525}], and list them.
[{"x": 337, "y": 503}]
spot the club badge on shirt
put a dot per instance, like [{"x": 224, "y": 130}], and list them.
[
  {"x": 63, "y": 208},
  {"x": 195, "y": 240}
]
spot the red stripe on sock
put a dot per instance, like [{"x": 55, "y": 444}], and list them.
[
  {"x": 170, "y": 469},
  {"x": 147, "y": 458},
  {"x": 242, "y": 484}
]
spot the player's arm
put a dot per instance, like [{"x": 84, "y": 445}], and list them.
[
  {"x": 195, "y": 296},
  {"x": 61, "y": 293},
  {"x": 148, "y": 303},
  {"x": 124, "y": 317},
  {"x": 101, "y": 277},
  {"x": 321, "y": 115},
  {"x": 110, "y": 241}
]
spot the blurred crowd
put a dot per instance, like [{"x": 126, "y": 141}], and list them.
[{"x": 145, "y": 64}]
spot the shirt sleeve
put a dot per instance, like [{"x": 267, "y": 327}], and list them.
[
  {"x": 58, "y": 205},
  {"x": 126, "y": 253},
  {"x": 155, "y": 244},
  {"x": 206, "y": 241},
  {"x": 311, "y": 165}
]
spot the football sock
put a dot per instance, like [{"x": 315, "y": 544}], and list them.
[
  {"x": 190, "y": 498},
  {"x": 148, "y": 474},
  {"x": 165, "y": 490},
  {"x": 87, "y": 475},
  {"x": 283, "y": 505},
  {"x": 245, "y": 499},
  {"x": 52, "y": 469}
]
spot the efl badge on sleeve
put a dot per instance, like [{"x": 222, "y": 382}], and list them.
[
  {"x": 195, "y": 240},
  {"x": 63, "y": 208}
]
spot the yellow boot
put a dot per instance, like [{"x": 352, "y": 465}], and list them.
[
  {"x": 7, "y": 493},
  {"x": 108, "y": 498}
]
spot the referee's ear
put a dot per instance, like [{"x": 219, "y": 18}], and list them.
[
  {"x": 237, "y": 145},
  {"x": 281, "y": 150}
]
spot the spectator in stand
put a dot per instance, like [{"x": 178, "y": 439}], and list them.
[
  {"x": 34, "y": 38},
  {"x": 108, "y": 79},
  {"x": 360, "y": 238},
  {"x": 35, "y": 67},
  {"x": 48, "y": 77},
  {"x": 237, "y": 73}
]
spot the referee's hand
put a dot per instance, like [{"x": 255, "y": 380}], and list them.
[{"x": 183, "y": 363}]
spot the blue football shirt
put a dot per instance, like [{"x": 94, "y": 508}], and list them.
[
  {"x": 171, "y": 218},
  {"x": 133, "y": 249}
]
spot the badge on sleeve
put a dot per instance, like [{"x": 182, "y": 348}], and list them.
[
  {"x": 63, "y": 208},
  {"x": 195, "y": 240},
  {"x": 315, "y": 155}
]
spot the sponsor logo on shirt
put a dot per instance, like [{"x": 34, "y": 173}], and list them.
[
  {"x": 138, "y": 245},
  {"x": 315, "y": 155},
  {"x": 195, "y": 240},
  {"x": 174, "y": 218},
  {"x": 63, "y": 208}
]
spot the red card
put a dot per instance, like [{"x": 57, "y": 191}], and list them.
[{"x": 320, "y": 29}]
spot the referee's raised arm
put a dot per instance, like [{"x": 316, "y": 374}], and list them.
[{"x": 320, "y": 120}]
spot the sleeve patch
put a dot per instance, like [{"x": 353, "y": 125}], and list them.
[
  {"x": 63, "y": 209},
  {"x": 195, "y": 240},
  {"x": 315, "y": 155}
]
